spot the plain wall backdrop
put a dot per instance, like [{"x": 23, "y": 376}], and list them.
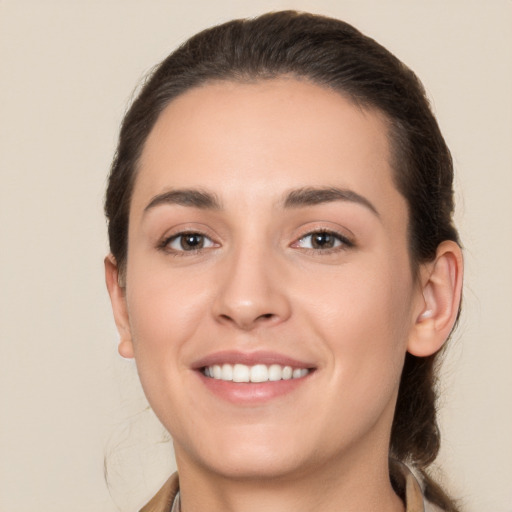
[{"x": 67, "y": 400}]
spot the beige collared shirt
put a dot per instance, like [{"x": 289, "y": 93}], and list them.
[{"x": 165, "y": 499}]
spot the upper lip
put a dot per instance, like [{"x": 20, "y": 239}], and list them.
[{"x": 249, "y": 359}]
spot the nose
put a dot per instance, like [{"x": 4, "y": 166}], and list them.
[{"x": 252, "y": 291}]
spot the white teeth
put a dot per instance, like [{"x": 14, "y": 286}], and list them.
[
  {"x": 287, "y": 373},
  {"x": 217, "y": 371},
  {"x": 275, "y": 372},
  {"x": 227, "y": 372},
  {"x": 241, "y": 373},
  {"x": 259, "y": 373},
  {"x": 255, "y": 373}
]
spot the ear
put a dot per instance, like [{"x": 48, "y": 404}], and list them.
[
  {"x": 436, "y": 314},
  {"x": 118, "y": 299}
]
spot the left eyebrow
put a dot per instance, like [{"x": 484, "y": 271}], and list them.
[
  {"x": 191, "y": 197},
  {"x": 311, "y": 196}
]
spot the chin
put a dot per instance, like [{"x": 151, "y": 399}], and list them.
[
  {"x": 258, "y": 466},
  {"x": 249, "y": 456}
]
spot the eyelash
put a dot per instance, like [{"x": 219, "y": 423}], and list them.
[
  {"x": 341, "y": 243},
  {"x": 164, "y": 245}
]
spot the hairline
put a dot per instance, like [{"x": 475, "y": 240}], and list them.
[{"x": 393, "y": 136}]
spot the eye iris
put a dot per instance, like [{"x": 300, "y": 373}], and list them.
[
  {"x": 322, "y": 240},
  {"x": 192, "y": 241}
]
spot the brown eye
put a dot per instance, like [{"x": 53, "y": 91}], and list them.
[
  {"x": 323, "y": 240},
  {"x": 189, "y": 242}
]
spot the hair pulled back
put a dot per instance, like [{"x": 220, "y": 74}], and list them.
[{"x": 333, "y": 54}]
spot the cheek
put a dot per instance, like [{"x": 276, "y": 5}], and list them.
[
  {"x": 165, "y": 314},
  {"x": 165, "y": 310},
  {"x": 364, "y": 318}
]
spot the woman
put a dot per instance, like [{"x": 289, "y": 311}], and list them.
[{"x": 284, "y": 268}]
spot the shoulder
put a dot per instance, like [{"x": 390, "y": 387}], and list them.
[
  {"x": 409, "y": 485},
  {"x": 429, "y": 507},
  {"x": 404, "y": 477},
  {"x": 162, "y": 501}
]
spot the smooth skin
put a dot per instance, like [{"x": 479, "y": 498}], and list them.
[{"x": 330, "y": 284}]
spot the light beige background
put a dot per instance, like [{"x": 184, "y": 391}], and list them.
[{"x": 67, "y": 71}]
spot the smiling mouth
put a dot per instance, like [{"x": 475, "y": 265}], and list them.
[{"x": 257, "y": 373}]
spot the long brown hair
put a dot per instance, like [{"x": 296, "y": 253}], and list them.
[{"x": 333, "y": 54}]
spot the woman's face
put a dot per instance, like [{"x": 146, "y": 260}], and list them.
[{"x": 267, "y": 241}]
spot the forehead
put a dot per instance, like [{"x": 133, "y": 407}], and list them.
[{"x": 270, "y": 135}]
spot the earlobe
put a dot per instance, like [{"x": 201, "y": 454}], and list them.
[
  {"x": 441, "y": 293},
  {"x": 119, "y": 309}
]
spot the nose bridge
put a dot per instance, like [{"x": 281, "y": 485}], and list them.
[{"x": 252, "y": 292}]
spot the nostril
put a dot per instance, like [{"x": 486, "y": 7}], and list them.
[
  {"x": 266, "y": 316},
  {"x": 247, "y": 321}
]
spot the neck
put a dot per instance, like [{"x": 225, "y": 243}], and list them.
[{"x": 352, "y": 485}]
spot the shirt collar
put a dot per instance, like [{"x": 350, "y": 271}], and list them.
[{"x": 404, "y": 481}]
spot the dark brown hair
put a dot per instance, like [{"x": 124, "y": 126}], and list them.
[{"x": 333, "y": 54}]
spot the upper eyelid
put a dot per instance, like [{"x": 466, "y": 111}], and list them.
[
  {"x": 164, "y": 242},
  {"x": 181, "y": 230},
  {"x": 187, "y": 232},
  {"x": 344, "y": 235},
  {"x": 328, "y": 231},
  {"x": 345, "y": 240}
]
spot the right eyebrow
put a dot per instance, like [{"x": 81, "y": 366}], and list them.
[
  {"x": 310, "y": 196},
  {"x": 192, "y": 197}
]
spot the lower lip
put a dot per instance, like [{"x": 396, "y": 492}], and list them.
[{"x": 251, "y": 393}]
